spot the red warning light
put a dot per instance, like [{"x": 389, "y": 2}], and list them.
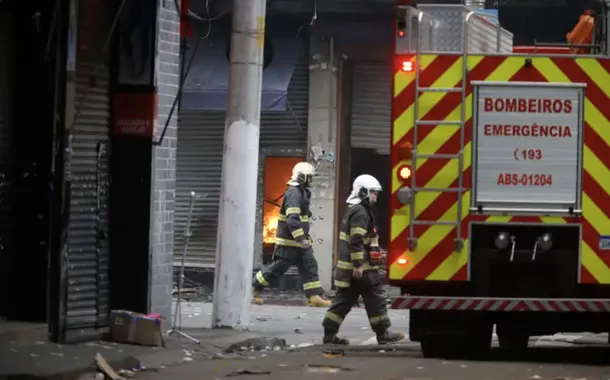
[
  {"x": 408, "y": 66},
  {"x": 401, "y": 33},
  {"x": 404, "y": 173}
]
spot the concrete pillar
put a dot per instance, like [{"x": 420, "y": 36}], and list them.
[{"x": 321, "y": 128}]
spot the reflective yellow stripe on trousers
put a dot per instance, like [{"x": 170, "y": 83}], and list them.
[
  {"x": 333, "y": 317},
  {"x": 261, "y": 280},
  {"x": 312, "y": 285},
  {"x": 377, "y": 320}
]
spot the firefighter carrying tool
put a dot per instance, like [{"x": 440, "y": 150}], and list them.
[
  {"x": 292, "y": 240},
  {"x": 357, "y": 270}
]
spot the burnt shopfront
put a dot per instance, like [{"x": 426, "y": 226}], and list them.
[{"x": 283, "y": 133}]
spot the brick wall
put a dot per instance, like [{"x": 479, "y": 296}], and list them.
[{"x": 163, "y": 167}]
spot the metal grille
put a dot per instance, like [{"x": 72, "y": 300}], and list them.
[
  {"x": 199, "y": 161},
  {"x": 87, "y": 269},
  {"x": 5, "y": 129},
  {"x": 371, "y": 105}
]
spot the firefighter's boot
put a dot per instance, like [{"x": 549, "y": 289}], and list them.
[
  {"x": 388, "y": 337},
  {"x": 317, "y": 301},
  {"x": 256, "y": 297},
  {"x": 332, "y": 338}
]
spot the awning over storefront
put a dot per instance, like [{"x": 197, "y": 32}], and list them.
[{"x": 206, "y": 87}]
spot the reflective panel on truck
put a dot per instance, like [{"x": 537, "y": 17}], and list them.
[{"x": 434, "y": 257}]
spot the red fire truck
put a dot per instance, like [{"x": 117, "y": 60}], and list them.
[{"x": 500, "y": 205}]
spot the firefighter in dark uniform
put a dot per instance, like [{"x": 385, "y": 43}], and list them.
[
  {"x": 357, "y": 270},
  {"x": 292, "y": 241}
]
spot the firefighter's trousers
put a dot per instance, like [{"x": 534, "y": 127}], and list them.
[
  {"x": 283, "y": 258},
  {"x": 373, "y": 295}
]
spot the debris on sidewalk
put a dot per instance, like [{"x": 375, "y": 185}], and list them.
[
  {"x": 126, "y": 373},
  {"x": 325, "y": 369},
  {"x": 103, "y": 365},
  {"x": 257, "y": 344},
  {"x": 244, "y": 371},
  {"x": 135, "y": 328}
]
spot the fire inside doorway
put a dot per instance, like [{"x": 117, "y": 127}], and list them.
[{"x": 277, "y": 171}]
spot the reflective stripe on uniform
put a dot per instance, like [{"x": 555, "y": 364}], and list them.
[
  {"x": 298, "y": 232},
  {"x": 345, "y": 237},
  {"x": 293, "y": 210},
  {"x": 356, "y": 255},
  {"x": 287, "y": 242},
  {"x": 333, "y": 317},
  {"x": 358, "y": 231},
  {"x": 312, "y": 285},
  {"x": 261, "y": 280},
  {"x": 283, "y": 218},
  {"x": 342, "y": 284},
  {"x": 349, "y": 266},
  {"x": 375, "y": 242},
  {"x": 377, "y": 320}
]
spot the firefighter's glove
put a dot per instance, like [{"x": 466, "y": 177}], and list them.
[
  {"x": 376, "y": 257},
  {"x": 357, "y": 272},
  {"x": 306, "y": 244}
]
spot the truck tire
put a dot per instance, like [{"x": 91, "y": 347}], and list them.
[
  {"x": 473, "y": 343},
  {"x": 510, "y": 338}
]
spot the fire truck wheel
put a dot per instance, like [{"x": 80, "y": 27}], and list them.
[
  {"x": 473, "y": 343},
  {"x": 510, "y": 339}
]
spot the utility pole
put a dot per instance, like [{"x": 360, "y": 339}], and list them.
[{"x": 235, "y": 242}]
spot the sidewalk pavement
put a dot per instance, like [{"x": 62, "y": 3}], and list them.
[{"x": 300, "y": 327}]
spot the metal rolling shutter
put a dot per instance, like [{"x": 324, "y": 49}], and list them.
[
  {"x": 198, "y": 169},
  {"x": 87, "y": 259},
  {"x": 199, "y": 162},
  {"x": 371, "y": 105},
  {"x": 5, "y": 129}
]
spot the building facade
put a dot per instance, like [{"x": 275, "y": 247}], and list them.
[
  {"x": 329, "y": 80},
  {"x": 61, "y": 143}
]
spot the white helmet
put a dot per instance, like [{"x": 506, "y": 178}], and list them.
[
  {"x": 302, "y": 173},
  {"x": 361, "y": 187}
]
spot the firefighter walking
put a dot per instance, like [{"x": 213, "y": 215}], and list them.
[
  {"x": 357, "y": 270},
  {"x": 292, "y": 241}
]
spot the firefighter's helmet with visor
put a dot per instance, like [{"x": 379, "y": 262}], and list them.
[
  {"x": 363, "y": 187},
  {"x": 302, "y": 174}
]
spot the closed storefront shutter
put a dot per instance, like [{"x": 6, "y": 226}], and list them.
[
  {"x": 87, "y": 259},
  {"x": 371, "y": 105},
  {"x": 5, "y": 121},
  {"x": 199, "y": 162},
  {"x": 198, "y": 169}
]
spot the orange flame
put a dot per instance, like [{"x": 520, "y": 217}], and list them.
[{"x": 270, "y": 225}]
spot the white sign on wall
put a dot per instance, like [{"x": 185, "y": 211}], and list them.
[{"x": 527, "y": 146}]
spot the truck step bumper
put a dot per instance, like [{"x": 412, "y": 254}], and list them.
[{"x": 552, "y": 305}]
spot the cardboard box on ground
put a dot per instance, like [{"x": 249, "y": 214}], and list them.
[{"x": 135, "y": 328}]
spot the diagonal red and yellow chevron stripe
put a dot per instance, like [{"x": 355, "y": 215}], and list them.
[{"x": 434, "y": 257}]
